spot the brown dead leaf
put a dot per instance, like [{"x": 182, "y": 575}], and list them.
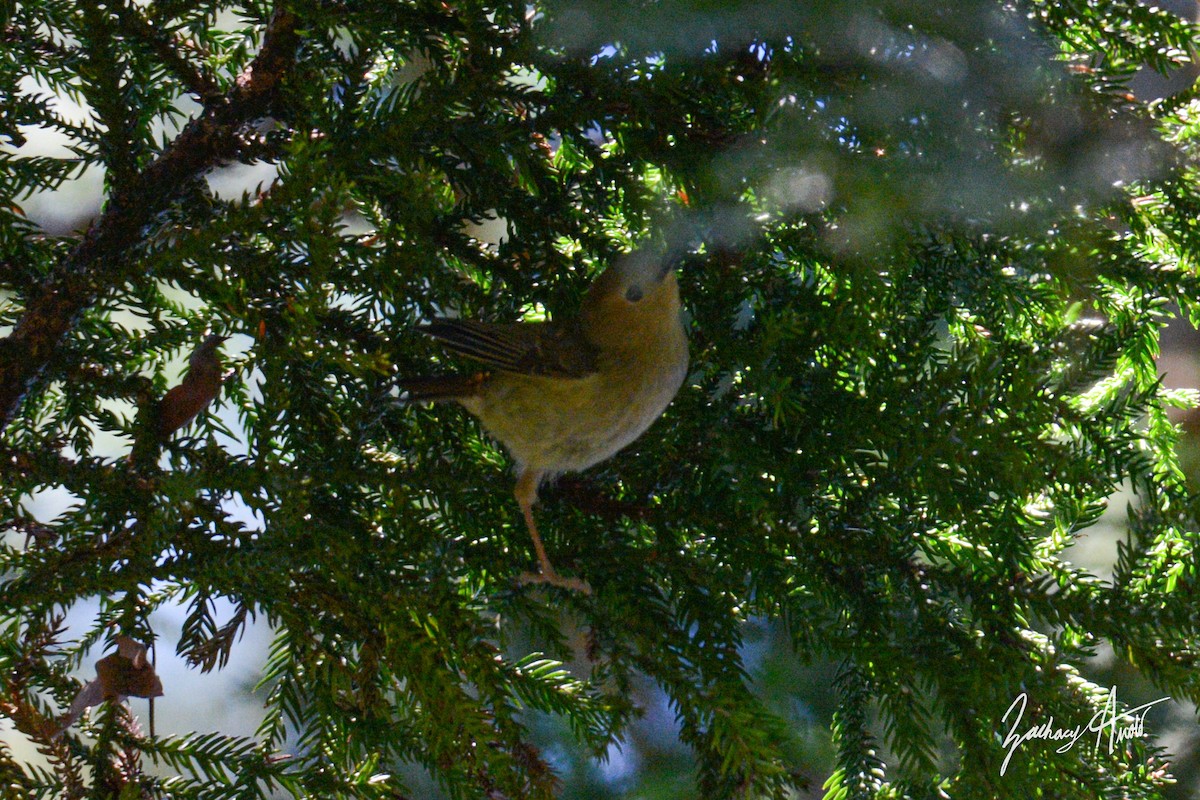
[{"x": 125, "y": 673}]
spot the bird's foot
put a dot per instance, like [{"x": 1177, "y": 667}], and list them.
[{"x": 554, "y": 579}]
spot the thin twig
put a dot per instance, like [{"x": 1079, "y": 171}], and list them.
[{"x": 197, "y": 79}]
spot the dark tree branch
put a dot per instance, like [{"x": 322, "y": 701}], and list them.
[
  {"x": 43, "y": 46},
  {"x": 194, "y": 77},
  {"x": 98, "y": 261},
  {"x": 587, "y": 497}
]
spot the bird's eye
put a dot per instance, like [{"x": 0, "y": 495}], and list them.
[{"x": 633, "y": 294}]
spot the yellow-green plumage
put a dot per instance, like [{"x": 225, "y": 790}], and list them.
[{"x": 562, "y": 396}]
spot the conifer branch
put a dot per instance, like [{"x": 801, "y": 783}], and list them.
[
  {"x": 99, "y": 261},
  {"x": 195, "y": 77}
]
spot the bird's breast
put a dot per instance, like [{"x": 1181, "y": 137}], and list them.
[{"x": 566, "y": 424}]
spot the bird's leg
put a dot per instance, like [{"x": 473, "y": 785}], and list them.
[
  {"x": 526, "y": 493},
  {"x": 526, "y": 497}
]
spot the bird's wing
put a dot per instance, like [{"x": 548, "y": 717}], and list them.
[{"x": 531, "y": 348}]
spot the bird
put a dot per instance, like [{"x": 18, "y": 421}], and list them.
[
  {"x": 198, "y": 388},
  {"x": 563, "y": 395}
]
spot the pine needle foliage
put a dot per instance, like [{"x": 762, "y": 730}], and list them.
[{"x": 932, "y": 248}]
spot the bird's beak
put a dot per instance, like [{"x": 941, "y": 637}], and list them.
[{"x": 671, "y": 260}]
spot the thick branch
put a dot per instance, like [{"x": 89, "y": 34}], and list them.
[{"x": 98, "y": 261}]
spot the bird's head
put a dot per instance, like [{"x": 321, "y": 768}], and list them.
[
  {"x": 207, "y": 349},
  {"x": 637, "y": 295}
]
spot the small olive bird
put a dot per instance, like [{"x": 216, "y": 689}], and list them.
[
  {"x": 197, "y": 389},
  {"x": 564, "y": 395}
]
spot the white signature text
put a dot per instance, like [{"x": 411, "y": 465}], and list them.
[{"x": 1119, "y": 726}]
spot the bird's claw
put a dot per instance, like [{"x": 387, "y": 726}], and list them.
[{"x": 554, "y": 579}]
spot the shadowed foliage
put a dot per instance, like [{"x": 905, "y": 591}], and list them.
[{"x": 930, "y": 250}]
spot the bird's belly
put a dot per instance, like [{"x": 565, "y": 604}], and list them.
[{"x": 561, "y": 425}]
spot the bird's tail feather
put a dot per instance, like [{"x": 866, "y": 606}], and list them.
[{"x": 431, "y": 389}]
